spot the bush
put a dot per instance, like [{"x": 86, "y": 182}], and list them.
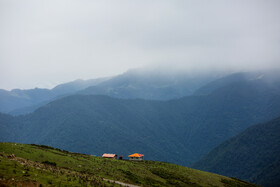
[{"x": 49, "y": 163}]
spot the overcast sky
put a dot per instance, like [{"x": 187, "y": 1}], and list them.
[{"x": 47, "y": 42}]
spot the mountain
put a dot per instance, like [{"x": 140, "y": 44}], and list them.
[
  {"x": 29, "y": 109},
  {"x": 10, "y": 100},
  {"x": 77, "y": 85},
  {"x": 39, "y": 165},
  {"x": 179, "y": 131},
  {"x": 8, "y": 127},
  {"x": 153, "y": 84},
  {"x": 19, "y": 101},
  {"x": 271, "y": 78},
  {"x": 253, "y": 155}
]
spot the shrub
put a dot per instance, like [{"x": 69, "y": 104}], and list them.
[{"x": 49, "y": 163}]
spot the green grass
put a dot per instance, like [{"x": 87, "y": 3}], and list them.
[
  {"x": 22, "y": 171},
  {"x": 48, "y": 166}
]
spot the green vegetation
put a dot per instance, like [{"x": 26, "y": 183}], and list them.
[
  {"x": 253, "y": 155},
  {"x": 34, "y": 165}
]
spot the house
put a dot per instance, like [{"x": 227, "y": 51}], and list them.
[
  {"x": 136, "y": 156},
  {"x": 106, "y": 155}
]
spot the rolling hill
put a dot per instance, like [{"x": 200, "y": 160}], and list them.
[
  {"x": 37, "y": 165},
  {"x": 253, "y": 155}
]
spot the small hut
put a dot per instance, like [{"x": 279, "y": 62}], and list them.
[
  {"x": 136, "y": 156},
  {"x": 113, "y": 156}
]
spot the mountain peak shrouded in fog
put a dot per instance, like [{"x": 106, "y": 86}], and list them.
[{"x": 44, "y": 43}]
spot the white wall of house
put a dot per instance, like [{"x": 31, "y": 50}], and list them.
[{"x": 136, "y": 158}]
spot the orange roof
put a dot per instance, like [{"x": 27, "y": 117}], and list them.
[
  {"x": 136, "y": 155},
  {"x": 106, "y": 155}
]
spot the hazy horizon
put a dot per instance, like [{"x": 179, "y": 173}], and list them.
[{"x": 45, "y": 43}]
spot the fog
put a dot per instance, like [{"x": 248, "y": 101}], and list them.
[{"x": 47, "y": 42}]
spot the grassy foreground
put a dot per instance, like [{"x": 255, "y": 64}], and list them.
[{"x": 34, "y": 165}]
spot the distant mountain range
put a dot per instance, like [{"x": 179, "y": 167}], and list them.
[
  {"x": 152, "y": 84},
  {"x": 253, "y": 155},
  {"x": 19, "y": 101},
  {"x": 179, "y": 130}
]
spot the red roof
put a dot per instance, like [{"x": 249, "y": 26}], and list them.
[{"x": 106, "y": 155}]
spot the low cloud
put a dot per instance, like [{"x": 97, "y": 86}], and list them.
[{"x": 49, "y": 42}]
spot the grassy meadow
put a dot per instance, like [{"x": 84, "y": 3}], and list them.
[{"x": 38, "y": 165}]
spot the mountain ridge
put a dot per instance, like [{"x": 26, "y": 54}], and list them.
[
  {"x": 138, "y": 83},
  {"x": 150, "y": 84},
  {"x": 19, "y": 101}
]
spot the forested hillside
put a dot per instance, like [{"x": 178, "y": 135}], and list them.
[{"x": 253, "y": 155}]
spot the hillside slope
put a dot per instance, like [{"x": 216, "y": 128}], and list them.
[
  {"x": 35, "y": 165},
  {"x": 254, "y": 155}
]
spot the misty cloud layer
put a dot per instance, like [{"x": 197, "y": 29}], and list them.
[{"x": 46, "y": 42}]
